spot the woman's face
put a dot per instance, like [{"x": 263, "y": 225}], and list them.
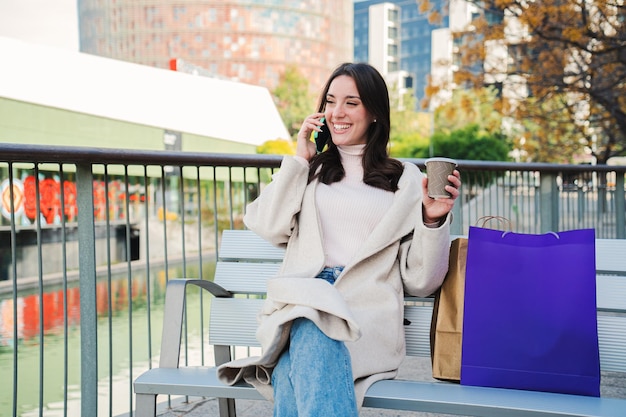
[{"x": 345, "y": 114}]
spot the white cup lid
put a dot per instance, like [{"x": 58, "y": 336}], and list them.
[{"x": 441, "y": 159}]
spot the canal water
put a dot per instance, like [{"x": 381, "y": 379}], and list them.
[{"x": 118, "y": 364}]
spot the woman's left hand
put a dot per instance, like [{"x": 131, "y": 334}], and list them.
[{"x": 434, "y": 209}]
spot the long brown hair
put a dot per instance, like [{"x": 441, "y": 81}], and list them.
[{"x": 379, "y": 170}]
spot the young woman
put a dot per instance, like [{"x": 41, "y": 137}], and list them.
[{"x": 359, "y": 233}]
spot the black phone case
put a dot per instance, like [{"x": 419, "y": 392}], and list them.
[{"x": 321, "y": 138}]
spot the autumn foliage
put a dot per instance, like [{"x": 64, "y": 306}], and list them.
[{"x": 560, "y": 66}]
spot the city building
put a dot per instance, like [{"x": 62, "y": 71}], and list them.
[
  {"x": 57, "y": 97},
  {"x": 447, "y": 47},
  {"x": 248, "y": 41},
  {"x": 449, "y": 44},
  {"x": 383, "y": 46},
  {"x": 394, "y": 35}
]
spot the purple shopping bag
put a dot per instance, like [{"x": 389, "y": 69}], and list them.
[{"x": 530, "y": 312}]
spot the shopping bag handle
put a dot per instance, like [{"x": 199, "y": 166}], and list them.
[
  {"x": 505, "y": 222},
  {"x": 502, "y": 221},
  {"x": 555, "y": 234}
]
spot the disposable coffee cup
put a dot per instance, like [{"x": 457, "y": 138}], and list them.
[{"x": 437, "y": 171}]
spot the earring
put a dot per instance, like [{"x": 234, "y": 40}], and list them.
[{"x": 374, "y": 120}]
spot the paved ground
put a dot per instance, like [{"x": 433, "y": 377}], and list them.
[{"x": 613, "y": 385}]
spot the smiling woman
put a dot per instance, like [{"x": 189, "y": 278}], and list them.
[{"x": 347, "y": 216}]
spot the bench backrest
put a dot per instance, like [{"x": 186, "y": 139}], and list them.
[{"x": 246, "y": 261}]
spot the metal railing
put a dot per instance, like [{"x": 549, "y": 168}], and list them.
[{"x": 90, "y": 237}]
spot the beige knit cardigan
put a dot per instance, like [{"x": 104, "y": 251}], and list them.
[{"x": 365, "y": 306}]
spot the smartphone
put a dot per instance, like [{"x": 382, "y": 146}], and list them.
[{"x": 321, "y": 138}]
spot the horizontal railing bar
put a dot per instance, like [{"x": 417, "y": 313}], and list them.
[
  {"x": 116, "y": 156},
  {"x": 76, "y": 154}
]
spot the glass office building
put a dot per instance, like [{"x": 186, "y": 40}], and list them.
[{"x": 415, "y": 35}]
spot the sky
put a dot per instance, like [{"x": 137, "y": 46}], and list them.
[{"x": 45, "y": 22}]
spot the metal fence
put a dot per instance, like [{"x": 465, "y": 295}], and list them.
[{"x": 89, "y": 237}]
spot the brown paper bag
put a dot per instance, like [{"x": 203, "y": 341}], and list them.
[{"x": 446, "y": 328}]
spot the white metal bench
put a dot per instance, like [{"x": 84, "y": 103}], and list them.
[{"x": 246, "y": 261}]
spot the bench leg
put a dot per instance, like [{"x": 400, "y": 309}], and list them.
[
  {"x": 145, "y": 405},
  {"x": 227, "y": 407}
]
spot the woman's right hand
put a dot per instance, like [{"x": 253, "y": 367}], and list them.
[{"x": 305, "y": 147}]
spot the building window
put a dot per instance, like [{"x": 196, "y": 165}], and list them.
[
  {"x": 393, "y": 15},
  {"x": 408, "y": 82},
  {"x": 212, "y": 15},
  {"x": 392, "y": 32},
  {"x": 151, "y": 14},
  {"x": 393, "y": 50},
  {"x": 494, "y": 17},
  {"x": 179, "y": 12},
  {"x": 198, "y": 21}
]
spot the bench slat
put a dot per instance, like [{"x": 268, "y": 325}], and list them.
[
  {"x": 195, "y": 381},
  {"x": 245, "y": 277},
  {"x": 251, "y": 278},
  {"x": 234, "y": 322},
  {"x": 612, "y": 341},
  {"x": 436, "y": 397},
  {"x": 239, "y": 246},
  {"x": 246, "y": 245},
  {"x": 418, "y": 332},
  {"x": 611, "y": 292},
  {"x": 611, "y": 255},
  {"x": 611, "y": 335},
  {"x": 449, "y": 398}
]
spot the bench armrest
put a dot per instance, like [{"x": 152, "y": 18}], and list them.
[{"x": 173, "y": 316}]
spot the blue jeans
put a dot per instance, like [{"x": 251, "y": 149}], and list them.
[{"x": 313, "y": 376}]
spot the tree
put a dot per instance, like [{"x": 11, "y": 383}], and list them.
[
  {"x": 293, "y": 99},
  {"x": 410, "y": 130},
  {"x": 410, "y": 145},
  {"x": 471, "y": 143},
  {"x": 277, "y": 147},
  {"x": 468, "y": 115},
  {"x": 570, "y": 53},
  {"x": 473, "y": 106},
  {"x": 404, "y": 118},
  {"x": 550, "y": 136}
]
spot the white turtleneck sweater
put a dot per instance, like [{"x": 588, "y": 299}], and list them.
[{"x": 349, "y": 209}]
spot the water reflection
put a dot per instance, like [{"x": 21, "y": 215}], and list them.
[
  {"x": 122, "y": 307},
  {"x": 28, "y": 313}
]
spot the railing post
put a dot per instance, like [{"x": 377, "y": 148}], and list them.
[
  {"x": 87, "y": 287},
  {"x": 549, "y": 202},
  {"x": 620, "y": 209}
]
